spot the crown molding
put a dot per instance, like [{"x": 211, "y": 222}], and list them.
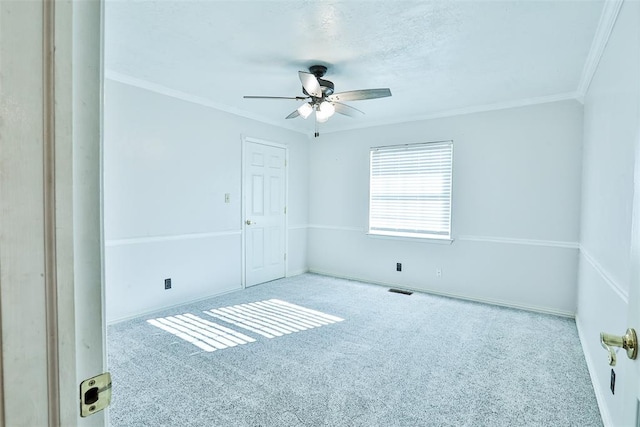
[
  {"x": 163, "y": 90},
  {"x": 183, "y": 96},
  {"x": 466, "y": 110},
  {"x": 610, "y": 12}
]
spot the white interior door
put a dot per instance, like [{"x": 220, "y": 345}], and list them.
[{"x": 264, "y": 189}]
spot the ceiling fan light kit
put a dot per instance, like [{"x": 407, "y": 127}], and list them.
[
  {"x": 305, "y": 110},
  {"x": 324, "y": 110},
  {"x": 320, "y": 117},
  {"x": 320, "y": 97}
]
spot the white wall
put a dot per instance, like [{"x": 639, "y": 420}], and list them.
[
  {"x": 167, "y": 166},
  {"x": 516, "y": 203},
  {"x": 611, "y": 124}
]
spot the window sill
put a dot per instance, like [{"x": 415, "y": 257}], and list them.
[{"x": 430, "y": 240}]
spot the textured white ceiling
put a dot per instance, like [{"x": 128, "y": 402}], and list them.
[{"x": 434, "y": 55}]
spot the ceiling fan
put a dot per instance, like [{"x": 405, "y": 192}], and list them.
[{"x": 320, "y": 98}]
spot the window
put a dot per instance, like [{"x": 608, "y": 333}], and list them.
[{"x": 410, "y": 190}]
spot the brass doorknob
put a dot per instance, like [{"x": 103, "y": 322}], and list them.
[
  {"x": 248, "y": 222},
  {"x": 628, "y": 341}
]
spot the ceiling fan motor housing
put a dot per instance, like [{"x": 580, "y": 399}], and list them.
[
  {"x": 326, "y": 86},
  {"x": 318, "y": 70}
]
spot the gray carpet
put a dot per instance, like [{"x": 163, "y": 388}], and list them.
[{"x": 395, "y": 360}]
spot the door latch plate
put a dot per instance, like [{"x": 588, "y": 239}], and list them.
[{"x": 95, "y": 394}]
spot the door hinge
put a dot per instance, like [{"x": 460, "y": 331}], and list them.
[
  {"x": 95, "y": 394},
  {"x": 285, "y": 210},
  {"x": 285, "y": 163},
  {"x": 285, "y": 257}
]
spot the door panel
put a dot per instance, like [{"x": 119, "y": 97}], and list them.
[
  {"x": 264, "y": 187},
  {"x": 275, "y": 248},
  {"x": 275, "y": 204},
  {"x": 257, "y": 248},
  {"x": 257, "y": 192}
]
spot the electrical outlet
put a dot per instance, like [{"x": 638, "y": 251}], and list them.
[
  {"x": 613, "y": 382},
  {"x": 438, "y": 272},
  {"x": 227, "y": 197},
  {"x": 167, "y": 284},
  {"x": 398, "y": 266}
]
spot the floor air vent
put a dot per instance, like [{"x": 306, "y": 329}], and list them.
[{"x": 400, "y": 291}]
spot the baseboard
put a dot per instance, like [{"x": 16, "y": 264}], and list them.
[
  {"x": 543, "y": 310},
  {"x": 597, "y": 386},
  {"x": 297, "y": 272},
  {"x": 159, "y": 309},
  {"x": 168, "y": 307}
]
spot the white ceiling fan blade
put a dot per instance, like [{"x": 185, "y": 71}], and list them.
[
  {"x": 347, "y": 110},
  {"x": 297, "y": 98},
  {"x": 357, "y": 95},
  {"x": 293, "y": 115},
  {"x": 310, "y": 84}
]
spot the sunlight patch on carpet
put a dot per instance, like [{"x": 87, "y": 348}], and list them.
[
  {"x": 208, "y": 336},
  {"x": 273, "y": 318}
]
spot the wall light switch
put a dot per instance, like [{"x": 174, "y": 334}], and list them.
[{"x": 227, "y": 197}]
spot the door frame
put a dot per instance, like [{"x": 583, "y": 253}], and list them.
[
  {"x": 57, "y": 262},
  {"x": 246, "y": 140},
  {"x": 631, "y": 399}
]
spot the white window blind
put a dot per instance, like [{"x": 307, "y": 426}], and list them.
[{"x": 410, "y": 190}]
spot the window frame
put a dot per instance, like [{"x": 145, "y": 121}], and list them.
[{"x": 416, "y": 237}]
